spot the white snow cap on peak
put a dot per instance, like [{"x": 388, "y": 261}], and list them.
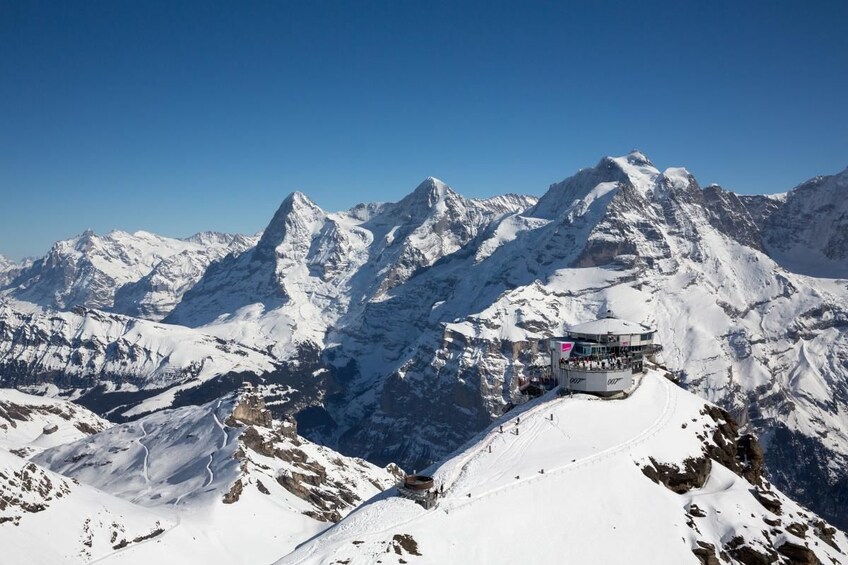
[
  {"x": 295, "y": 204},
  {"x": 430, "y": 190},
  {"x": 678, "y": 177},
  {"x": 299, "y": 198},
  {"x": 642, "y": 173},
  {"x": 434, "y": 185},
  {"x": 636, "y": 157}
]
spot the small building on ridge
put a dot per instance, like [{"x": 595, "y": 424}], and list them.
[{"x": 601, "y": 356}]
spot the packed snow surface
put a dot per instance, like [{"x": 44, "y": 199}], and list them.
[
  {"x": 562, "y": 483},
  {"x": 194, "y": 469},
  {"x": 48, "y": 519}
]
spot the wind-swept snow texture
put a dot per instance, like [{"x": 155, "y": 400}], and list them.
[
  {"x": 237, "y": 492},
  {"x": 46, "y": 518},
  {"x": 88, "y": 348},
  {"x": 564, "y": 483}
]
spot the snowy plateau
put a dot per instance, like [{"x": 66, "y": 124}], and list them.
[{"x": 393, "y": 335}]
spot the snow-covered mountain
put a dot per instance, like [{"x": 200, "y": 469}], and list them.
[
  {"x": 310, "y": 269},
  {"x": 426, "y": 361},
  {"x": 29, "y": 424},
  {"x": 806, "y": 230},
  {"x": 659, "y": 477},
  {"x": 234, "y": 485},
  {"x": 10, "y": 269},
  {"x": 98, "y": 352},
  {"x": 402, "y": 327},
  {"x": 48, "y": 518},
  {"x": 140, "y": 274}
]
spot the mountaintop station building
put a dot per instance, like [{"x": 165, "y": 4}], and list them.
[{"x": 601, "y": 356}]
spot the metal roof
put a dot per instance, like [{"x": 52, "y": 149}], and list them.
[{"x": 612, "y": 326}]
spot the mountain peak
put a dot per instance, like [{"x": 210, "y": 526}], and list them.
[
  {"x": 295, "y": 201},
  {"x": 426, "y": 195},
  {"x": 639, "y": 169},
  {"x": 295, "y": 204},
  {"x": 297, "y": 198},
  {"x": 636, "y": 157},
  {"x": 433, "y": 188}
]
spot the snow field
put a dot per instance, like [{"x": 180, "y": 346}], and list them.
[{"x": 593, "y": 504}]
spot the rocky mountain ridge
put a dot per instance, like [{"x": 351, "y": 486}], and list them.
[
  {"x": 415, "y": 319},
  {"x": 224, "y": 470},
  {"x": 140, "y": 274}
]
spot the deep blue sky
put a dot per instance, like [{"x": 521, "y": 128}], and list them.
[{"x": 175, "y": 119}]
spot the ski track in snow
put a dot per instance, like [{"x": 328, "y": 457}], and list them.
[
  {"x": 209, "y": 470},
  {"x": 180, "y": 497},
  {"x": 145, "y": 467},
  {"x": 220, "y": 425},
  {"x": 662, "y": 420},
  {"x": 460, "y": 467},
  {"x": 211, "y": 474},
  {"x": 649, "y": 432}
]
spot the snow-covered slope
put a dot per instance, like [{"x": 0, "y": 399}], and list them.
[
  {"x": 658, "y": 478},
  {"x": 48, "y": 518},
  {"x": 30, "y": 424},
  {"x": 441, "y": 353},
  {"x": 87, "y": 349},
  {"x": 6, "y": 268},
  {"x": 806, "y": 230},
  {"x": 141, "y": 274},
  {"x": 10, "y": 269},
  {"x": 241, "y": 486},
  {"x": 157, "y": 293}
]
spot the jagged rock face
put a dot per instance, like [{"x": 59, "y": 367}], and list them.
[
  {"x": 157, "y": 293},
  {"x": 9, "y": 270},
  {"x": 28, "y": 489},
  {"x": 807, "y": 230},
  {"x": 251, "y": 410},
  {"x": 728, "y": 214},
  {"x": 45, "y": 517},
  {"x": 29, "y": 424},
  {"x": 140, "y": 274},
  {"x": 742, "y": 454}
]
